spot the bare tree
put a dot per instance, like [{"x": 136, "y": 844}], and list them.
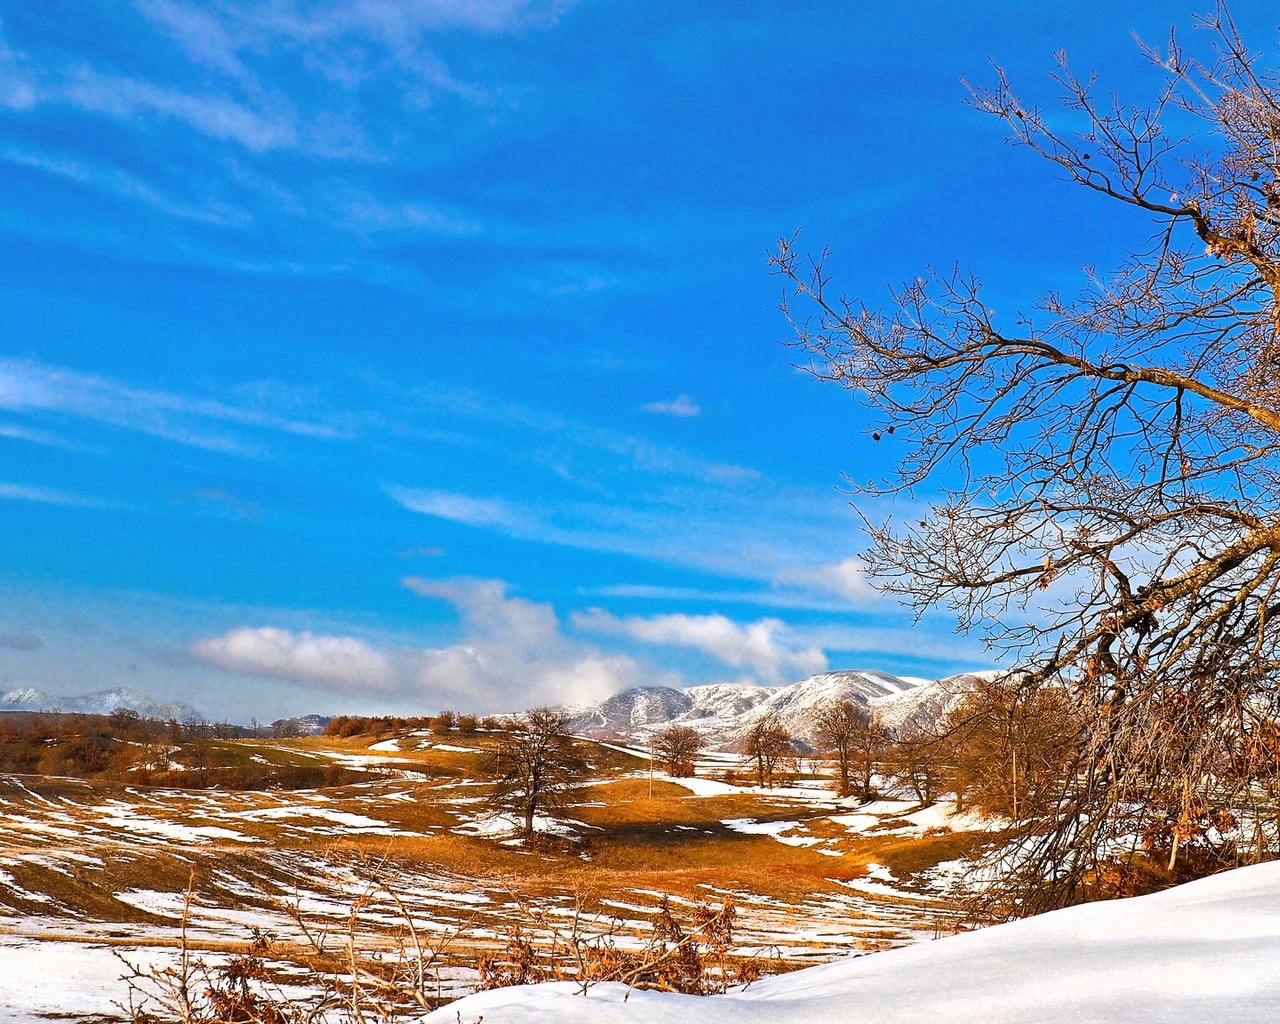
[
  {"x": 845, "y": 728},
  {"x": 916, "y": 762},
  {"x": 677, "y": 747},
  {"x": 765, "y": 746},
  {"x": 535, "y": 763},
  {"x": 1109, "y": 462}
]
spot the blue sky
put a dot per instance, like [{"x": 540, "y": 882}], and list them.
[{"x": 392, "y": 355}]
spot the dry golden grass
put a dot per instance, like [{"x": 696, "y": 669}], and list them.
[{"x": 641, "y": 838}]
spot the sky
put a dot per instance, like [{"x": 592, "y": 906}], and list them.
[{"x": 384, "y": 356}]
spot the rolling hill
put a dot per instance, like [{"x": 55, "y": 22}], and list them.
[{"x": 723, "y": 712}]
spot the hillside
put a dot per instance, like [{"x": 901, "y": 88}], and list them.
[
  {"x": 97, "y": 867},
  {"x": 1204, "y": 951},
  {"x": 723, "y": 712}
]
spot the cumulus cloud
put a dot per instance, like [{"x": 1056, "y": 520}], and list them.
[
  {"x": 512, "y": 655},
  {"x": 682, "y": 406},
  {"x": 764, "y": 647},
  {"x": 341, "y": 662},
  {"x": 846, "y": 578}
]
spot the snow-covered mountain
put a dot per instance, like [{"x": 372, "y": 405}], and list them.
[
  {"x": 796, "y": 706},
  {"x": 625, "y": 713},
  {"x": 723, "y": 712},
  {"x": 1202, "y": 951},
  {"x": 302, "y": 725},
  {"x": 100, "y": 702},
  {"x": 922, "y": 707}
]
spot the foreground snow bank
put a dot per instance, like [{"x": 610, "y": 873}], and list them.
[{"x": 1203, "y": 951}]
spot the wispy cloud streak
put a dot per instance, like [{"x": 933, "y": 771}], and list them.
[{"x": 30, "y": 387}]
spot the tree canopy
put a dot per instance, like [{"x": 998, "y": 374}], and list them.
[{"x": 1108, "y": 461}]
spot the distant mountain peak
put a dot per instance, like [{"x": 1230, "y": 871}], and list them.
[
  {"x": 99, "y": 702},
  {"x": 723, "y": 712}
]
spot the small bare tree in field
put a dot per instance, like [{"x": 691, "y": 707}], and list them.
[
  {"x": 677, "y": 747},
  {"x": 1109, "y": 463},
  {"x": 765, "y": 747},
  {"x": 534, "y": 764}
]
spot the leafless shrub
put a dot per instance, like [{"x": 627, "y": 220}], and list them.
[{"x": 693, "y": 955}]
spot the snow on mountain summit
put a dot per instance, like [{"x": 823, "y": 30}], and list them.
[
  {"x": 622, "y": 713},
  {"x": 723, "y": 712},
  {"x": 100, "y": 702}
]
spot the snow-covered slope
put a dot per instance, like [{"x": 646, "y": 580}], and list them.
[
  {"x": 623, "y": 713},
  {"x": 1206, "y": 951},
  {"x": 100, "y": 702},
  {"x": 725, "y": 700},
  {"x": 921, "y": 707},
  {"x": 723, "y": 712},
  {"x": 796, "y": 706},
  {"x": 302, "y": 725}
]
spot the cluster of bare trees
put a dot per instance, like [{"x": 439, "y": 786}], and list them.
[
  {"x": 1108, "y": 465},
  {"x": 442, "y": 724}
]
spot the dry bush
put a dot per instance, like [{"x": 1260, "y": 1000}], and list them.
[
  {"x": 352, "y": 983},
  {"x": 693, "y": 955}
]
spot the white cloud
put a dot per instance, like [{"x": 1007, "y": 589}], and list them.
[
  {"x": 764, "y": 646},
  {"x": 341, "y": 662},
  {"x": 31, "y": 387},
  {"x": 18, "y": 88},
  {"x": 343, "y": 41},
  {"x": 682, "y": 406},
  {"x": 112, "y": 181},
  {"x": 635, "y": 451},
  {"x": 198, "y": 31},
  {"x": 46, "y": 496},
  {"x": 774, "y": 597},
  {"x": 767, "y": 535},
  {"x": 215, "y": 116},
  {"x": 512, "y": 655},
  {"x": 461, "y": 508},
  {"x": 44, "y": 437},
  {"x": 846, "y": 578}
]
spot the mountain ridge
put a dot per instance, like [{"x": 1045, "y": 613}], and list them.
[
  {"x": 97, "y": 702},
  {"x": 723, "y": 712}
]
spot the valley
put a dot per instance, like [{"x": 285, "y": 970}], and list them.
[{"x": 409, "y": 863}]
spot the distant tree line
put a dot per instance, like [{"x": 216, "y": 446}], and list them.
[
  {"x": 346, "y": 726},
  {"x": 124, "y": 746}
]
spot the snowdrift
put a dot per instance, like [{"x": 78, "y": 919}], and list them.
[{"x": 1206, "y": 951}]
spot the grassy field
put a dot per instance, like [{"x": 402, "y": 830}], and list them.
[{"x": 139, "y": 867}]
